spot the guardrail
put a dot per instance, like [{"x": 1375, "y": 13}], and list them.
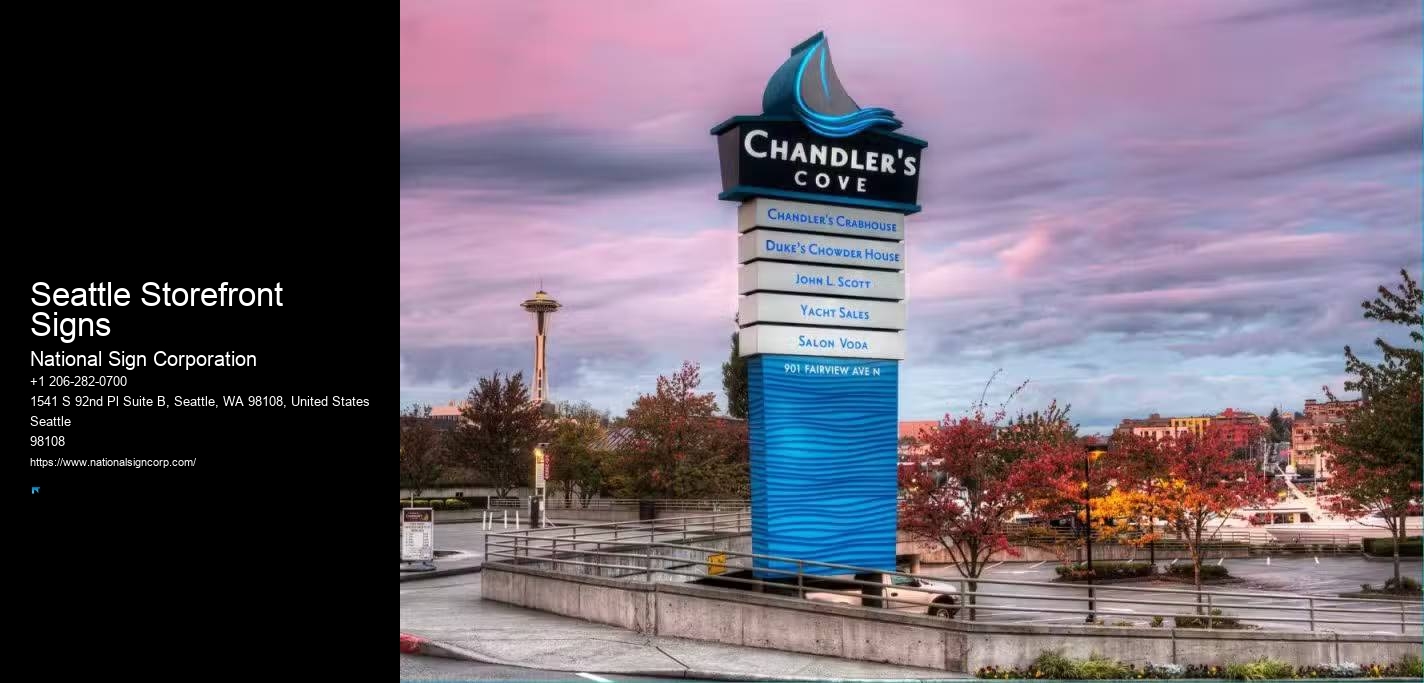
[
  {"x": 644, "y": 550},
  {"x": 557, "y": 503},
  {"x": 1274, "y": 539}
]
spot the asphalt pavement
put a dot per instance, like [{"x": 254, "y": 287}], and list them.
[{"x": 419, "y": 668}]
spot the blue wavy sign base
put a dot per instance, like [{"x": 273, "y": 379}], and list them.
[{"x": 823, "y": 462}]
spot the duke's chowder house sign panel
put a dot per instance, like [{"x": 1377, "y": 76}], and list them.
[{"x": 825, "y": 186}]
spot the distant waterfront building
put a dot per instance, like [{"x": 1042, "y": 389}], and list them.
[
  {"x": 1154, "y": 426},
  {"x": 910, "y": 436},
  {"x": 1308, "y": 431},
  {"x": 1240, "y": 426}
]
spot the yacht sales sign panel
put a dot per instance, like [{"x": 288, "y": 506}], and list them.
[{"x": 815, "y": 310}]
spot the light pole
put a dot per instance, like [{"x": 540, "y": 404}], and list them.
[{"x": 1092, "y": 453}]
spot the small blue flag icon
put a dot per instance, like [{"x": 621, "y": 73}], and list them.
[{"x": 34, "y": 489}]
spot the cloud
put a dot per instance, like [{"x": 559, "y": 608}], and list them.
[
  {"x": 541, "y": 160},
  {"x": 1137, "y": 208}
]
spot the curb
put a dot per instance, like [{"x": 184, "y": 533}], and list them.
[
  {"x": 440, "y": 573},
  {"x": 411, "y": 644}
]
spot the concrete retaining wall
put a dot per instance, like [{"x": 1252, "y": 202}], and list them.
[{"x": 769, "y": 621}]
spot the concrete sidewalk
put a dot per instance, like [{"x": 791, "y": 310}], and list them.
[{"x": 449, "y": 614}]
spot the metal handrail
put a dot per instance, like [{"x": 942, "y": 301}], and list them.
[{"x": 556, "y": 549}]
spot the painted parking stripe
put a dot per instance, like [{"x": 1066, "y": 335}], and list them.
[
  {"x": 595, "y": 679},
  {"x": 1040, "y": 564}
]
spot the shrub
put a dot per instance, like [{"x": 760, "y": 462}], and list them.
[
  {"x": 1405, "y": 584},
  {"x": 1052, "y": 664},
  {"x": 1097, "y": 667},
  {"x": 1408, "y": 665},
  {"x": 1208, "y": 571},
  {"x": 1384, "y": 547},
  {"x": 1156, "y": 622},
  {"x": 456, "y": 504},
  {"x": 1217, "y": 621},
  {"x": 1104, "y": 570},
  {"x": 1163, "y": 670}
]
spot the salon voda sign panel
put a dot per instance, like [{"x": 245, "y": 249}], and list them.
[{"x": 820, "y": 341}]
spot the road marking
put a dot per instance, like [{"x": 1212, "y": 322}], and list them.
[
  {"x": 1317, "y": 559},
  {"x": 1268, "y": 560},
  {"x": 1218, "y": 562},
  {"x": 1040, "y": 564},
  {"x": 992, "y": 566},
  {"x": 1174, "y": 560},
  {"x": 595, "y": 679},
  {"x": 1117, "y": 609}
]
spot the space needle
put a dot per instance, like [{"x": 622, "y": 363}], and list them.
[{"x": 542, "y": 306}]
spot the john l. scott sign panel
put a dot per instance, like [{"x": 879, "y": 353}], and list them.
[{"x": 825, "y": 186}]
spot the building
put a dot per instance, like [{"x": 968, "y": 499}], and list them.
[
  {"x": 1154, "y": 426},
  {"x": 1196, "y": 425},
  {"x": 1308, "y": 432},
  {"x": 447, "y": 416},
  {"x": 1240, "y": 427},
  {"x": 910, "y": 432}
]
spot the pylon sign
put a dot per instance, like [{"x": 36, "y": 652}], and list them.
[{"x": 825, "y": 187}]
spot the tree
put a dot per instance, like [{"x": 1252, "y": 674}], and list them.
[
  {"x": 1376, "y": 451},
  {"x": 1203, "y": 487},
  {"x": 963, "y": 486},
  {"x": 1280, "y": 430},
  {"x": 500, "y": 430},
  {"x": 422, "y": 453},
  {"x": 734, "y": 380},
  {"x": 577, "y": 431},
  {"x": 1063, "y": 477},
  {"x": 1143, "y": 476},
  {"x": 678, "y": 447}
]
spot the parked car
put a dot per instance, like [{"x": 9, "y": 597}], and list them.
[{"x": 935, "y": 604}]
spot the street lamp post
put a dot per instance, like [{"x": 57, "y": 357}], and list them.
[{"x": 1092, "y": 452}]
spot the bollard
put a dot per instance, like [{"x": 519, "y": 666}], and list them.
[
  {"x": 1208, "y": 611},
  {"x": 506, "y": 519},
  {"x": 516, "y": 519},
  {"x": 1311, "y": 605}
]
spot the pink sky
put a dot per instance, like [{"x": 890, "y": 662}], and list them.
[{"x": 1139, "y": 207}]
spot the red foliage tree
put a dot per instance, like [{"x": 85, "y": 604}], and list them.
[
  {"x": 1204, "y": 487},
  {"x": 678, "y": 447},
  {"x": 962, "y": 487}
]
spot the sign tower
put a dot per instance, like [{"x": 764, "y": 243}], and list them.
[{"x": 825, "y": 186}]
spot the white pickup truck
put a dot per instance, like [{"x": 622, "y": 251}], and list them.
[{"x": 941, "y": 604}]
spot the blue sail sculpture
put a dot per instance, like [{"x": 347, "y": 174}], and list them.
[{"x": 807, "y": 87}]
